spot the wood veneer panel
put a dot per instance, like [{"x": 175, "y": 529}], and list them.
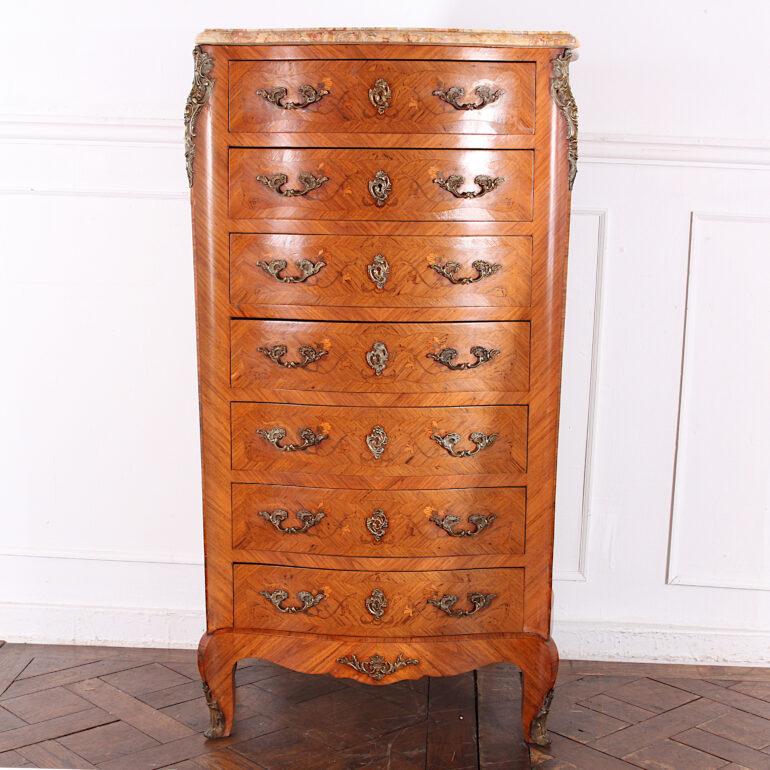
[
  {"x": 411, "y": 281},
  {"x": 342, "y": 610},
  {"x": 346, "y": 350},
  {"x": 414, "y": 196},
  {"x": 410, "y": 450},
  {"x": 413, "y": 106},
  {"x": 410, "y": 532}
]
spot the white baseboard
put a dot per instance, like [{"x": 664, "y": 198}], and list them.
[
  {"x": 111, "y": 626},
  {"x": 653, "y": 643},
  {"x": 576, "y": 640}
]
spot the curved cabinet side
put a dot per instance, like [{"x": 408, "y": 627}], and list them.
[{"x": 206, "y": 118}]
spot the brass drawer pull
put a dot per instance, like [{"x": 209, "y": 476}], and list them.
[
  {"x": 376, "y": 524},
  {"x": 275, "y": 182},
  {"x": 447, "y": 602},
  {"x": 446, "y": 357},
  {"x": 309, "y": 355},
  {"x": 377, "y": 667},
  {"x": 450, "y": 440},
  {"x": 452, "y": 184},
  {"x": 379, "y": 271},
  {"x": 480, "y": 522},
  {"x": 379, "y": 95},
  {"x": 377, "y": 441},
  {"x": 453, "y": 95},
  {"x": 483, "y": 270},
  {"x": 380, "y": 187},
  {"x": 277, "y": 94},
  {"x": 279, "y": 516},
  {"x": 306, "y": 268},
  {"x": 376, "y": 603},
  {"x": 377, "y": 358},
  {"x": 279, "y": 596},
  {"x": 274, "y": 436}
]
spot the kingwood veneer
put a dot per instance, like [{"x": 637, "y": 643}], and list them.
[{"x": 380, "y": 227}]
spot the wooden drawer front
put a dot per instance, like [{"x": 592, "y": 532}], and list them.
[
  {"x": 380, "y": 358},
  {"x": 413, "y": 194},
  {"x": 412, "y": 108},
  {"x": 401, "y": 608},
  {"x": 355, "y": 522},
  {"x": 354, "y": 443},
  {"x": 380, "y": 271}
]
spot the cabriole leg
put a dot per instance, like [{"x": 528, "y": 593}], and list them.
[
  {"x": 538, "y": 677},
  {"x": 217, "y": 668}
]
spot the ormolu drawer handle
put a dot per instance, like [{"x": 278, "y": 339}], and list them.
[
  {"x": 450, "y": 441},
  {"x": 452, "y": 184},
  {"x": 377, "y": 667},
  {"x": 306, "y": 518},
  {"x": 376, "y": 524},
  {"x": 275, "y": 182},
  {"x": 483, "y": 270},
  {"x": 277, "y": 94},
  {"x": 275, "y": 435},
  {"x": 446, "y": 357},
  {"x": 309, "y": 355},
  {"x": 380, "y": 187},
  {"x": 308, "y": 599},
  {"x": 455, "y": 93},
  {"x": 306, "y": 268},
  {"x": 379, "y": 95},
  {"x": 447, "y": 602},
  {"x": 480, "y": 522}
]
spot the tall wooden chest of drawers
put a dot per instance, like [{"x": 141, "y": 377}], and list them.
[{"x": 380, "y": 224}]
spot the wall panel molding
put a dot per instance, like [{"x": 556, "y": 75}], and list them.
[
  {"x": 77, "y": 554},
  {"x": 94, "y": 192},
  {"x": 683, "y": 533},
  {"x": 586, "y": 429},
  {"x": 709, "y": 152},
  {"x": 594, "y": 147}
]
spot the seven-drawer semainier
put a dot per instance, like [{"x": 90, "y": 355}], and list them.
[{"x": 380, "y": 224}]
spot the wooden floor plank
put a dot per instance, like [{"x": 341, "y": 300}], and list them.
[
  {"x": 53, "y": 754},
  {"x": 53, "y": 728},
  {"x": 189, "y": 748},
  {"x": 729, "y": 697},
  {"x": 14, "y": 759},
  {"x": 564, "y": 753},
  {"x": 668, "y": 754},
  {"x": 12, "y": 663},
  {"x": 68, "y": 676},
  {"x": 659, "y": 727},
  {"x": 724, "y": 749},
  {"x": 154, "y": 723},
  {"x": 46, "y": 664},
  {"x": 451, "y": 733},
  {"x": 501, "y": 743}
]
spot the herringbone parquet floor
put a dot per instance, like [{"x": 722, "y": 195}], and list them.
[{"x": 112, "y": 708}]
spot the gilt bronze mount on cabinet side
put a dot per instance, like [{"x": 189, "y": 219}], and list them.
[
  {"x": 565, "y": 101},
  {"x": 199, "y": 94}
]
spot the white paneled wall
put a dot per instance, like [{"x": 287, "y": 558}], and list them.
[{"x": 663, "y": 528}]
